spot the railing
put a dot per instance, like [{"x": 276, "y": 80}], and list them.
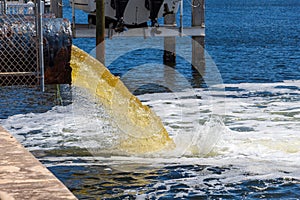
[{"x": 20, "y": 8}]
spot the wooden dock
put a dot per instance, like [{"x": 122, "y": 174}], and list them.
[
  {"x": 89, "y": 31},
  {"x": 23, "y": 177}
]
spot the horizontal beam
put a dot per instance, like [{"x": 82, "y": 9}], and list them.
[
  {"x": 89, "y": 31},
  {"x": 17, "y": 73}
]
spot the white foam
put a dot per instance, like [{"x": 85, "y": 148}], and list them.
[{"x": 257, "y": 134}]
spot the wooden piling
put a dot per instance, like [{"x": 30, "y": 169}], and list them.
[
  {"x": 100, "y": 31},
  {"x": 170, "y": 42},
  {"x": 198, "y": 20}
]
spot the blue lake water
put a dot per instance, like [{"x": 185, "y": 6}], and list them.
[{"x": 246, "y": 144}]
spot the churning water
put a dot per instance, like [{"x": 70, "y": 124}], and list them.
[{"x": 237, "y": 137}]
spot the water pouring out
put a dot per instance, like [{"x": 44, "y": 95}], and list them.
[{"x": 142, "y": 129}]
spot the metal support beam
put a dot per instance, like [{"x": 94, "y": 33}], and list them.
[
  {"x": 4, "y": 6},
  {"x": 73, "y": 20},
  {"x": 39, "y": 27}
]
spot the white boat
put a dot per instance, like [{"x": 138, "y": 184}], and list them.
[{"x": 135, "y": 14}]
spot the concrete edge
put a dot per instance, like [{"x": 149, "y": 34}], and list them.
[{"x": 22, "y": 176}]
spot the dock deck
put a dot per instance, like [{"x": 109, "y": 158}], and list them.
[
  {"x": 22, "y": 176},
  {"x": 89, "y": 31}
]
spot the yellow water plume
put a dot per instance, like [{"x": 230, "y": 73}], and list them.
[{"x": 142, "y": 129}]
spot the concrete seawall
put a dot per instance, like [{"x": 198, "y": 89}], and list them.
[{"x": 22, "y": 176}]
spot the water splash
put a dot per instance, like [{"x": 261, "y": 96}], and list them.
[{"x": 206, "y": 137}]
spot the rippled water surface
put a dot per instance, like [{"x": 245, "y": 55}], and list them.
[{"x": 237, "y": 140}]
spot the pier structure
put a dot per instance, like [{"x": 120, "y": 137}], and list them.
[{"x": 169, "y": 30}]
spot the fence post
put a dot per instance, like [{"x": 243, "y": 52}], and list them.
[
  {"x": 4, "y": 7},
  {"x": 39, "y": 28},
  {"x": 73, "y": 19}
]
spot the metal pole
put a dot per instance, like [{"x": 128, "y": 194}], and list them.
[
  {"x": 41, "y": 45},
  {"x": 100, "y": 30},
  {"x": 73, "y": 19},
  {"x": 181, "y": 18},
  {"x": 4, "y": 7}
]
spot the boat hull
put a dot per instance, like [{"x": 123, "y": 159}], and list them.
[{"x": 135, "y": 13}]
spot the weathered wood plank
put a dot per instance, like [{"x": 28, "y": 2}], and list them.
[{"x": 22, "y": 176}]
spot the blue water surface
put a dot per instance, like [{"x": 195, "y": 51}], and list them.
[
  {"x": 250, "y": 41},
  {"x": 255, "y": 41}
]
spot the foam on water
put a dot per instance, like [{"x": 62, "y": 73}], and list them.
[{"x": 257, "y": 137}]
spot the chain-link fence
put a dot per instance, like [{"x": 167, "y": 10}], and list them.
[{"x": 19, "y": 55}]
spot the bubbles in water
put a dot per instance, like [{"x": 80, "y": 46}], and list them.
[
  {"x": 207, "y": 137},
  {"x": 137, "y": 126}
]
